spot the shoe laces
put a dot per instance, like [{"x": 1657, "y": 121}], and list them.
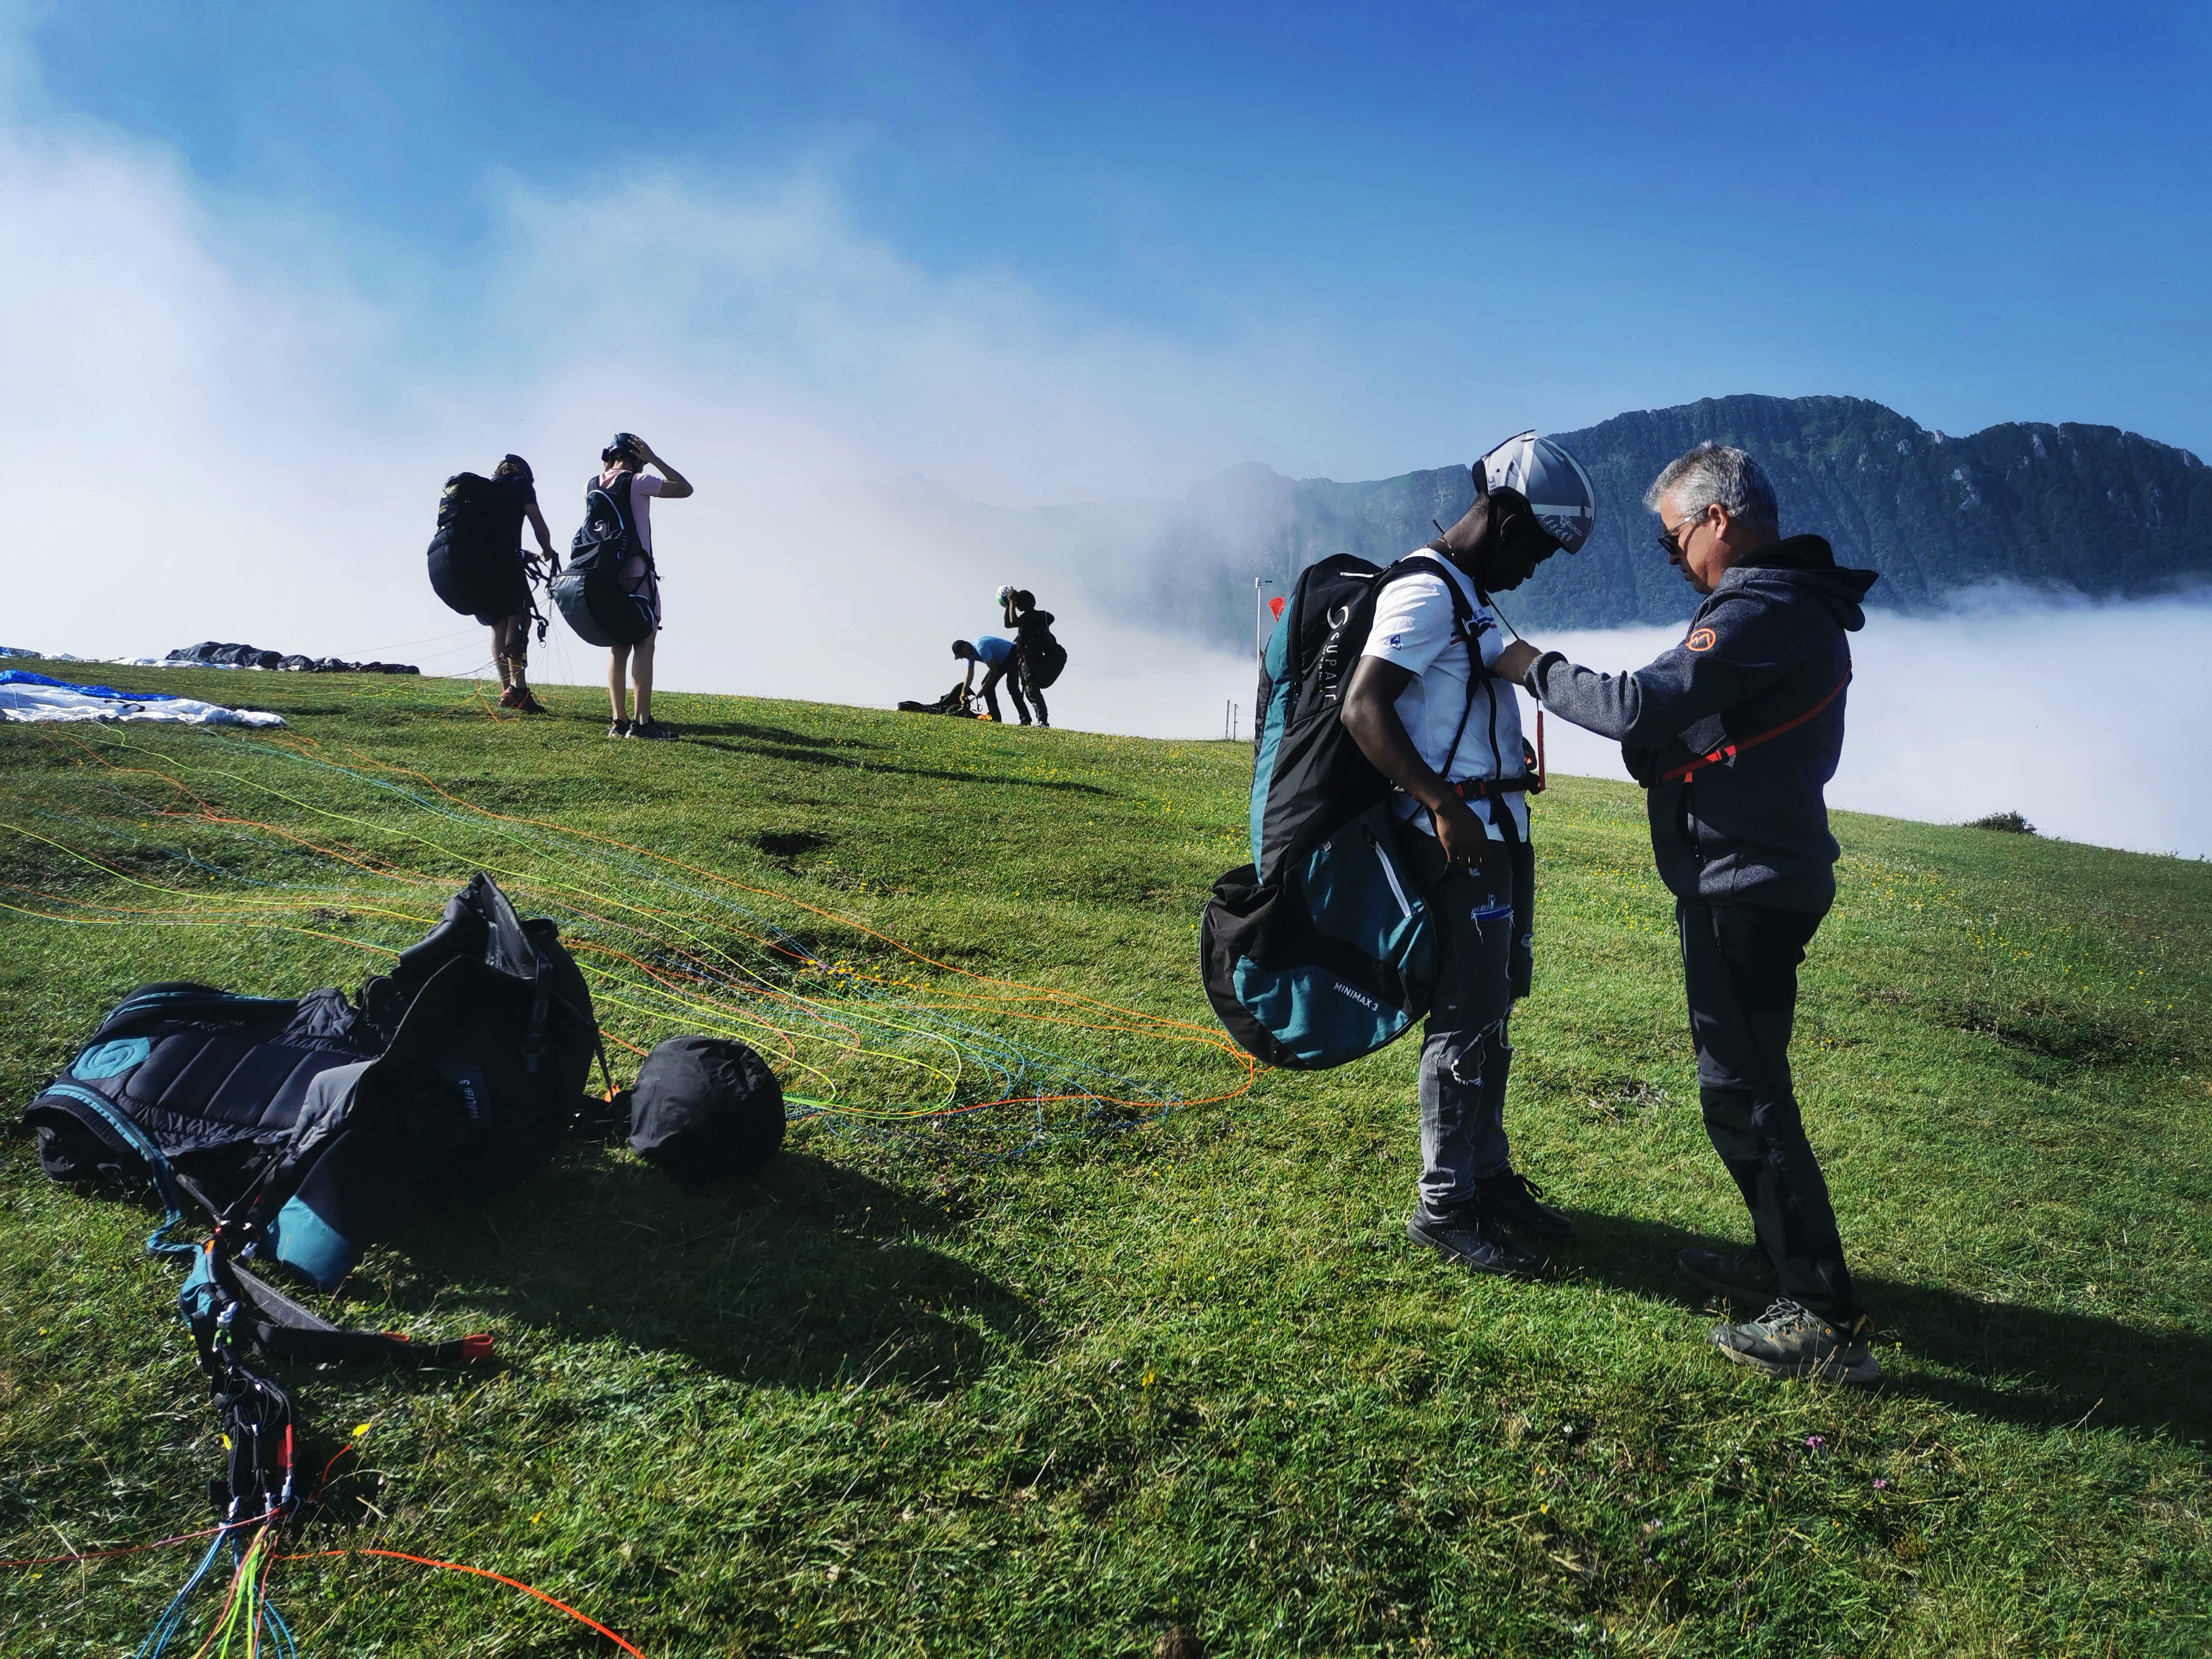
[{"x": 1784, "y": 1312}]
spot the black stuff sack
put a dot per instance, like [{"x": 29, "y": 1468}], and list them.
[{"x": 705, "y": 1109}]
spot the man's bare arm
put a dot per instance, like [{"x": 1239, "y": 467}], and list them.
[
  {"x": 676, "y": 486},
  {"x": 1370, "y": 715},
  {"x": 544, "y": 537}
]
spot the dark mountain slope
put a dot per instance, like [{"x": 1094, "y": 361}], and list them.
[{"x": 2089, "y": 507}]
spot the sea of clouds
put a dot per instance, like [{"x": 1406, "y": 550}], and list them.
[{"x": 232, "y": 424}]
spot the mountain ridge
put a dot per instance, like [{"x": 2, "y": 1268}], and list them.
[{"x": 2095, "y": 509}]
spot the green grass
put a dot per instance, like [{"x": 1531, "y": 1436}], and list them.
[{"x": 892, "y": 1398}]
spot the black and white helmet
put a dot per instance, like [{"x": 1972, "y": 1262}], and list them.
[{"x": 1552, "y": 482}]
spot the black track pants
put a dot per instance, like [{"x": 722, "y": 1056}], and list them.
[
  {"x": 1004, "y": 670},
  {"x": 1739, "y": 967}
]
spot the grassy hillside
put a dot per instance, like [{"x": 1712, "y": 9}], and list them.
[{"x": 957, "y": 1386}]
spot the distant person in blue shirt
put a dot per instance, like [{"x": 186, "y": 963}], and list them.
[{"x": 997, "y": 656}]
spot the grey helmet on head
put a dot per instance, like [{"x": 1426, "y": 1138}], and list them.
[{"x": 1551, "y": 480}]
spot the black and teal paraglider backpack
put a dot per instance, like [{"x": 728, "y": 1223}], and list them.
[
  {"x": 1323, "y": 949},
  {"x": 590, "y": 592},
  {"x": 307, "y": 1128}
]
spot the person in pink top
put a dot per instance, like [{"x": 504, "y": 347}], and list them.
[{"x": 625, "y": 460}]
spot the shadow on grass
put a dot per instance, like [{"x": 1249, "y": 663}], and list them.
[
  {"x": 1999, "y": 1360},
  {"x": 810, "y": 1275},
  {"x": 810, "y": 757},
  {"x": 775, "y": 736}
]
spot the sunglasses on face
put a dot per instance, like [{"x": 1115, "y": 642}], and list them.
[{"x": 1674, "y": 541}]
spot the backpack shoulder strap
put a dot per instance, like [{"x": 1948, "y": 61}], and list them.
[{"x": 1424, "y": 564}]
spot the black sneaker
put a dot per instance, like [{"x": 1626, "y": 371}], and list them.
[
  {"x": 1749, "y": 1278},
  {"x": 1791, "y": 1340},
  {"x": 651, "y": 729},
  {"x": 619, "y": 729},
  {"x": 1473, "y": 1240},
  {"x": 1510, "y": 1198}
]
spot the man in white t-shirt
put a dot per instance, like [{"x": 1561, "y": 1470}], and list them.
[{"x": 1449, "y": 738}]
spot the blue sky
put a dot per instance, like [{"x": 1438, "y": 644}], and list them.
[{"x": 1375, "y": 233}]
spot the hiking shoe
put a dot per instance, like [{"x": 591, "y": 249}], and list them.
[
  {"x": 1791, "y": 1340},
  {"x": 1749, "y": 1278},
  {"x": 619, "y": 729},
  {"x": 1473, "y": 1240},
  {"x": 511, "y": 696},
  {"x": 1511, "y": 1199},
  {"x": 525, "y": 700},
  {"x": 651, "y": 729}
]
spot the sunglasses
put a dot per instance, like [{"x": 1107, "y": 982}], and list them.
[{"x": 1672, "y": 540}]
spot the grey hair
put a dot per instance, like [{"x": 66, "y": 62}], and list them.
[{"x": 1714, "y": 473}]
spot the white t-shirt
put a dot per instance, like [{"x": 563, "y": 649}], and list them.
[
  {"x": 643, "y": 486},
  {"x": 1414, "y": 628}
]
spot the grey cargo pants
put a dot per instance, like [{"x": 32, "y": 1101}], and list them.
[{"x": 1465, "y": 1056}]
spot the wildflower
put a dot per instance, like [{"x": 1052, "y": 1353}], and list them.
[
  {"x": 1881, "y": 1485},
  {"x": 1814, "y": 1442}
]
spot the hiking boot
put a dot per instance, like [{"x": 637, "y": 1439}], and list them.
[
  {"x": 1511, "y": 1199},
  {"x": 523, "y": 701},
  {"x": 653, "y": 729},
  {"x": 619, "y": 729},
  {"x": 511, "y": 696},
  {"x": 1749, "y": 1278},
  {"x": 1473, "y": 1240},
  {"x": 1791, "y": 1340}
]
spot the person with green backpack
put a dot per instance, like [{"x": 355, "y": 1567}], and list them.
[{"x": 1427, "y": 713}]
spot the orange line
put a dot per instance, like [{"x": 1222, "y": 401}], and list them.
[{"x": 482, "y": 1572}]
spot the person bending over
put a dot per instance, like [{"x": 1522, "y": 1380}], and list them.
[
  {"x": 1448, "y": 735},
  {"x": 515, "y": 499},
  {"x": 621, "y": 474},
  {"x": 997, "y": 658},
  {"x": 1030, "y": 626},
  {"x": 1733, "y": 733}
]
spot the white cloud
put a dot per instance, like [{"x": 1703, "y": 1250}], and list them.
[{"x": 234, "y": 443}]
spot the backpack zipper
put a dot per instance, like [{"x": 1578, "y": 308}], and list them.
[{"x": 1390, "y": 874}]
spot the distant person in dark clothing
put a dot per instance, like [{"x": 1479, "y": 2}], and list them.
[
  {"x": 1030, "y": 626},
  {"x": 1734, "y": 732},
  {"x": 997, "y": 656},
  {"x": 516, "y": 498}
]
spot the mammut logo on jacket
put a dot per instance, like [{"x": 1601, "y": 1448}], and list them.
[{"x": 1701, "y": 639}]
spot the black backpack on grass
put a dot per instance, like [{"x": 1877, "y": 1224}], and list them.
[
  {"x": 469, "y": 569},
  {"x": 590, "y": 592},
  {"x": 311, "y": 1127}
]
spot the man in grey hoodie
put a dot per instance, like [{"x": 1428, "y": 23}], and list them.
[{"x": 1734, "y": 732}]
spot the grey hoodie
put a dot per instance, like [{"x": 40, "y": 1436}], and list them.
[{"x": 1766, "y": 646}]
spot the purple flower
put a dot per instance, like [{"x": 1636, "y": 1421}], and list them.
[
  {"x": 1814, "y": 1442},
  {"x": 1881, "y": 1485}
]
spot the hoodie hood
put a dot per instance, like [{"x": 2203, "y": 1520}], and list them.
[{"x": 1806, "y": 564}]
